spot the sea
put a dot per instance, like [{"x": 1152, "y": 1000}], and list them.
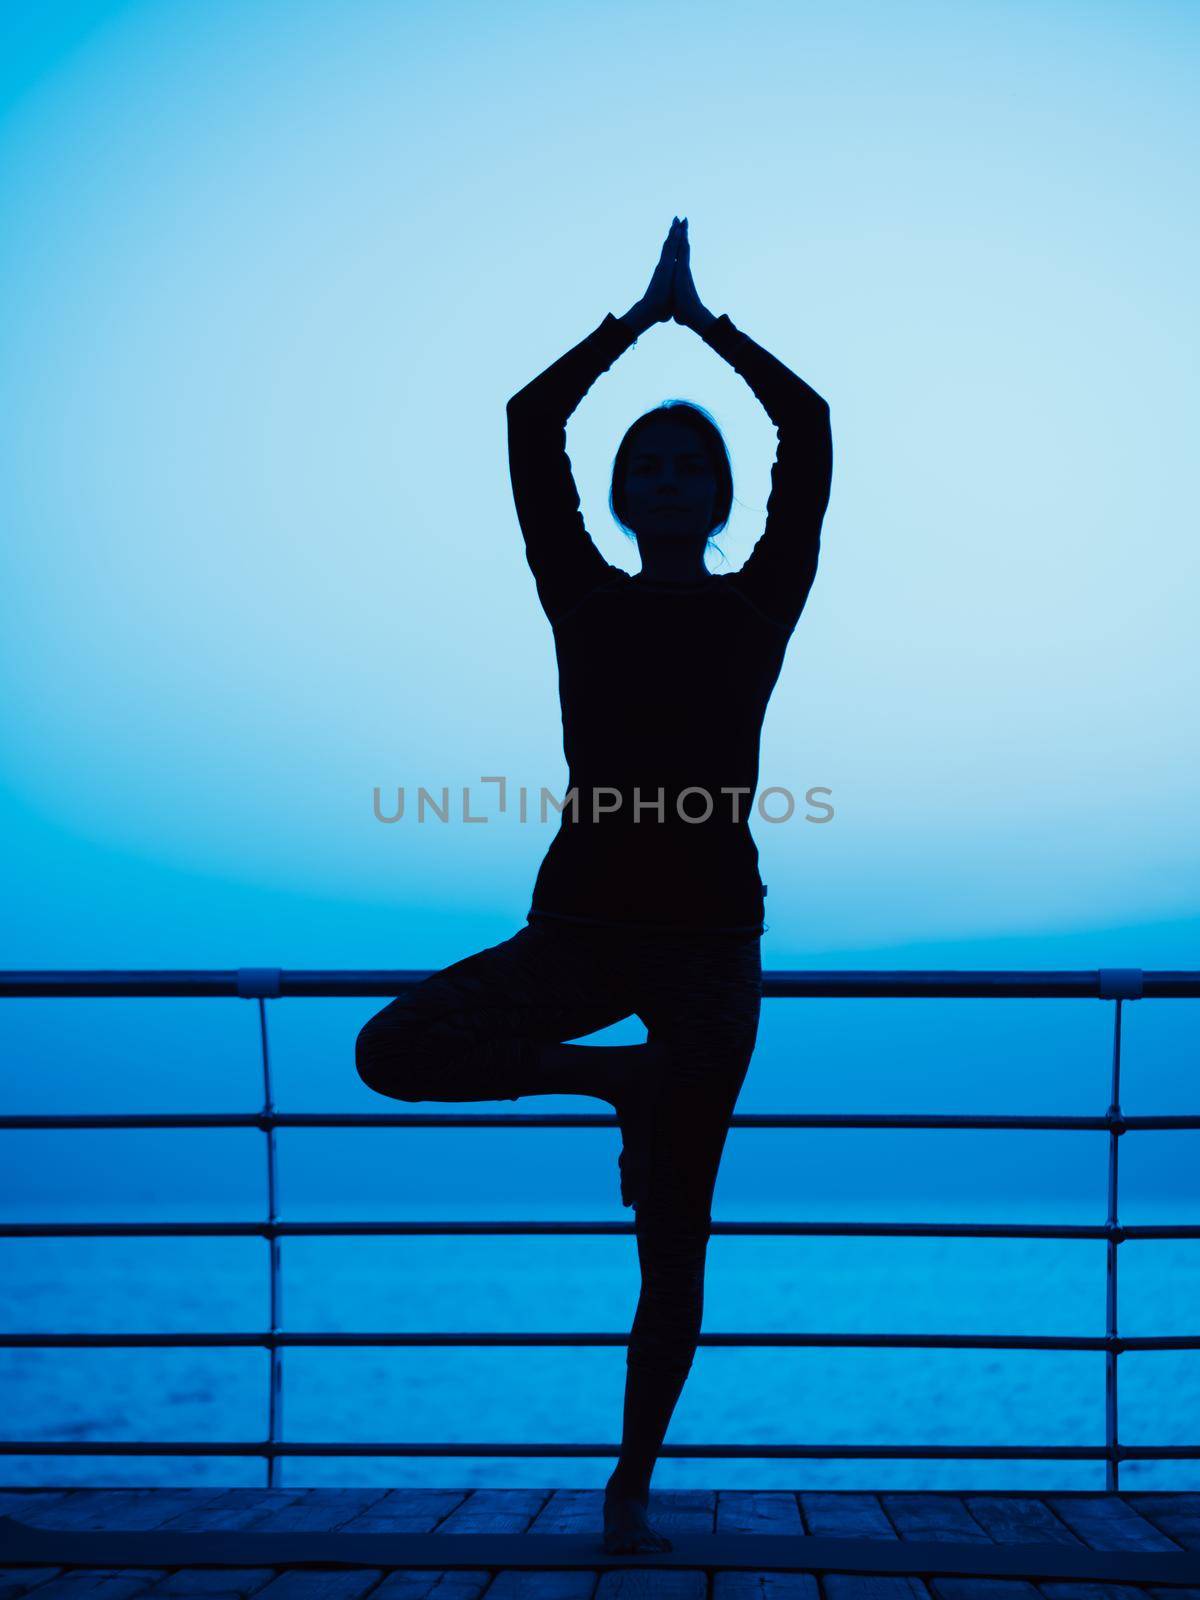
[
  {"x": 573, "y": 1395},
  {"x": 198, "y": 1055}
]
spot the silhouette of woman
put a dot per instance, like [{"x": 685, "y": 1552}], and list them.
[{"x": 648, "y": 901}]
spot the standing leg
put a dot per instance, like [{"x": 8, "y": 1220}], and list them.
[{"x": 702, "y": 1002}]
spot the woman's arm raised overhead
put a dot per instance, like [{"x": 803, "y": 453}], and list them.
[
  {"x": 565, "y": 563},
  {"x": 779, "y": 571}
]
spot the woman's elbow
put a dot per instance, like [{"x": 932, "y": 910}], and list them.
[
  {"x": 522, "y": 401},
  {"x": 825, "y": 427}
]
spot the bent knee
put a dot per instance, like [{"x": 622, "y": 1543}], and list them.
[
  {"x": 371, "y": 1057},
  {"x": 394, "y": 1059}
]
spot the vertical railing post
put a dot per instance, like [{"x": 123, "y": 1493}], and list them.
[
  {"x": 1118, "y": 984},
  {"x": 261, "y": 984}
]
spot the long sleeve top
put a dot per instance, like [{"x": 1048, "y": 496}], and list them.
[{"x": 663, "y": 686}]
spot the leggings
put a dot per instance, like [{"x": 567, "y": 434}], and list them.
[{"x": 464, "y": 1032}]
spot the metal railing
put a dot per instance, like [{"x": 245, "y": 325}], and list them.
[{"x": 1117, "y": 984}]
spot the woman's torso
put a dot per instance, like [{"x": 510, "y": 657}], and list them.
[{"x": 662, "y": 687}]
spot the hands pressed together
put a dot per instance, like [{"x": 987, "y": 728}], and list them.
[{"x": 671, "y": 292}]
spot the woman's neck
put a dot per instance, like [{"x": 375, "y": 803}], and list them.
[{"x": 673, "y": 566}]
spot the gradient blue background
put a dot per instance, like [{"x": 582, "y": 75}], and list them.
[{"x": 271, "y": 272}]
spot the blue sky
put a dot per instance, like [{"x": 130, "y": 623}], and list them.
[
  {"x": 278, "y": 269},
  {"x": 272, "y": 272}
]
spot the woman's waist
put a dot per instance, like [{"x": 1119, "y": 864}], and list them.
[
  {"x": 659, "y": 800},
  {"x": 648, "y": 849}
]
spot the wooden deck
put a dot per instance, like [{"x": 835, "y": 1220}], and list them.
[{"x": 348, "y": 1544}]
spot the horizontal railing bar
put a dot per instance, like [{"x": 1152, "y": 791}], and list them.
[
  {"x": 266, "y": 983},
  {"x": 572, "y": 1119},
  {"x": 722, "y": 1341},
  {"x": 341, "y": 1230},
  {"x": 1024, "y": 984},
  {"x": 691, "y": 1452}
]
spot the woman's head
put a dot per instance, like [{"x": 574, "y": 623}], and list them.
[{"x": 671, "y": 476}]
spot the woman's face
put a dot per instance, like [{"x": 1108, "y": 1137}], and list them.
[{"x": 669, "y": 485}]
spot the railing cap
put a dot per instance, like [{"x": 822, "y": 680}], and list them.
[
  {"x": 260, "y": 983},
  {"x": 1120, "y": 983}
]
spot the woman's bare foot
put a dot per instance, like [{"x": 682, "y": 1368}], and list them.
[
  {"x": 626, "y": 1075},
  {"x": 633, "y": 1102},
  {"x": 626, "y": 1528}
]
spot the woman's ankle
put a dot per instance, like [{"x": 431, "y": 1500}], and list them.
[
  {"x": 626, "y": 1487},
  {"x": 599, "y": 1070}
]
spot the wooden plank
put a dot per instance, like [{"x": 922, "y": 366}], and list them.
[
  {"x": 844, "y": 1515},
  {"x": 947, "y": 1518},
  {"x": 124, "y": 1509},
  {"x": 913, "y": 1558},
  {"x": 1005, "y": 1520},
  {"x": 572, "y": 1511},
  {"x": 364, "y": 1510},
  {"x": 317, "y": 1585},
  {"x": 764, "y": 1586},
  {"x": 917, "y": 1515},
  {"x": 514, "y": 1584},
  {"x": 216, "y": 1583},
  {"x": 950, "y": 1588},
  {"x": 1105, "y": 1522},
  {"x": 139, "y": 1509},
  {"x": 761, "y": 1511},
  {"x": 233, "y": 1509},
  {"x": 1176, "y": 1515},
  {"x": 1009, "y": 1519},
  {"x": 1054, "y": 1590},
  {"x": 757, "y": 1511},
  {"x": 16, "y": 1581},
  {"x": 422, "y": 1585},
  {"x": 319, "y": 1510},
  {"x": 109, "y": 1584},
  {"x": 21, "y": 1503},
  {"x": 407, "y": 1511},
  {"x": 640, "y": 1583},
  {"x": 675, "y": 1511},
  {"x": 873, "y": 1586},
  {"x": 495, "y": 1511},
  {"x": 1027, "y": 1520},
  {"x": 851, "y": 1515}
]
